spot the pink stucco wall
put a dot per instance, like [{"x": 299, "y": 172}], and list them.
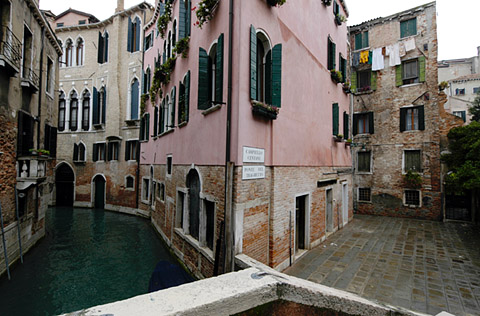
[
  {"x": 70, "y": 19},
  {"x": 302, "y": 133}
]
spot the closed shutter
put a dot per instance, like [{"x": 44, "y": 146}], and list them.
[
  {"x": 128, "y": 148},
  {"x": 253, "y": 63},
  {"x": 373, "y": 80},
  {"x": 155, "y": 121},
  {"x": 187, "y": 95},
  {"x": 358, "y": 41},
  {"x": 189, "y": 18},
  {"x": 355, "y": 124},
  {"x": 142, "y": 128},
  {"x": 353, "y": 81},
  {"x": 46, "y": 137},
  {"x": 137, "y": 29},
  {"x": 181, "y": 20},
  {"x": 95, "y": 152},
  {"x": 365, "y": 39},
  {"x": 162, "y": 117},
  {"x": 174, "y": 104},
  {"x": 219, "y": 71},
  {"x": 96, "y": 119},
  {"x": 403, "y": 113},
  {"x": 129, "y": 39},
  {"x": 268, "y": 78},
  {"x": 100, "y": 49},
  {"x": 203, "y": 102},
  {"x": 164, "y": 57},
  {"x": 398, "y": 75},
  {"x": 277, "y": 75},
  {"x": 343, "y": 66},
  {"x": 463, "y": 115},
  {"x": 422, "y": 65},
  {"x": 335, "y": 118},
  {"x": 346, "y": 125},
  {"x": 75, "y": 152},
  {"x": 53, "y": 142},
  {"x": 105, "y": 57},
  {"x": 104, "y": 105},
  {"x": 134, "y": 101},
  {"x": 109, "y": 151},
  {"x": 421, "y": 118},
  {"x": 147, "y": 129},
  {"x": 403, "y": 28},
  {"x": 371, "y": 123}
]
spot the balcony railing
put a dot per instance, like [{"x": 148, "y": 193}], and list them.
[
  {"x": 10, "y": 49},
  {"x": 31, "y": 78},
  {"x": 32, "y": 168}
]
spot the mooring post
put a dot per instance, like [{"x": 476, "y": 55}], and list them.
[{"x": 4, "y": 243}]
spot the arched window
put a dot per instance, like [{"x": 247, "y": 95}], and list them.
[
  {"x": 61, "y": 112},
  {"x": 134, "y": 99},
  {"x": 174, "y": 35},
  {"x": 164, "y": 56},
  {"x": 79, "y": 54},
  {"x": 86, "y": 111},
  {"x": 263, "y": 61},
  {"x": 60, "y": 58},
  {"x": 79, "y": 152},
  {"x": 169, "y": 45},
  {"x": 69, "y": 53},
  {"x": 129, "y": 182},
  {"x": 210, "y": 75},
  {"x": 73, "y": 111},
  {"x": 193, "y": 184},
  {"x": 102, "y": 48},
  {"x": 212, "y": 63},
  {"x": 147, "y": 80},
  {"x": 134, "y": 27}
]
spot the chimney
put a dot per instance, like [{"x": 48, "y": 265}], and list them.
[{"x": 120, "y": 6}]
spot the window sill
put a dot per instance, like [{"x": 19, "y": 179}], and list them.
[
  {"x": 98, "y": 126},
  {"x": 363, "y": 92},
  {"x": 364, "y": 173},
  {"x": 212, "y": 109},
  {"x": 132, "y": 122},
  {"x": 79, "y": 162},
  {"x": 165, "y": 133},
  {"x": 412, "y": 205},
  {"x": 205, "y": 251},
  {"x": 146, "y": 202},
  {"x": 411, "y": 85},
  {"x": 366, "y": 202},
  {"x": 361, "y": 49},
  {"x": 182, "y": 124},
  {"x": 99, "y": 161}
]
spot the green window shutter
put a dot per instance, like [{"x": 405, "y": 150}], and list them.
[
  {"x": 75, "y": 152},
  {"x": 253, "y": 63},
  {"x": 330, "y": 55},
  {"x": 358, "y": 41},
  {"x": 355, "y": 124},
  {"x": 181, "y": 20},
  {"x": 413, "y": 26},
  {"x": 147, "y": 119},
  {"x": 464, "y": 116},
  {"x": 162, "y": 117},
  {"x": 155, "y": 121},
  {"x": 403, "y": 29},
  {"x": 344, "y": 69},
  {"x": 174, "y": 104},
  {"x": 403, "y": 113},
  {"x": 373, "y": 80},
  {"x": 371, "y": 123},
  {"x": 188, "y": 18},
  {"x": 96, "y": 119},
  {"x": 277, "y": 75},
  {"x": 105, "y": 58},
  {"x": 268, "y": 76},
  {"x": 219, "y": 71},
  {"x": 398, "y": 75},
  {"x": 365, "y": 39},
  {"x": 353, "y": 81},
  {"x": 137, "y": 40},
  {"x": 335, "y": 118},
  {"x": 95, "y": 152},
  {"x": 129, "y": 37},
  {"x": 100, "y": 49},
  {"x": 422, "y": 64},
  {"x": 345, "y": 125},
  {"x": 334, "y": 48},
  {"x": 421, "y": 118},
  {"x": 104, "y": 105},
  {"x": 187, "y": 94},
  {"x": 203, "y": 102}
]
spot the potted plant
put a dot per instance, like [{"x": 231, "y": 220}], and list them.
[
  {"x": 364, "y": 89},
  {"x": 442, "y": 86},
  {"x": 327, "y": 2},
  {"x": 348, "y": 142},
  {"x": 264, "y": 110},
  {"x": 164, "y": 19},
  {"x": 336, "y": 75},
  {"x": 339, "y": 19},
  {"x": 33, "y": 151},
  {"x": 205, "y": 11},
  {"x": 412, "y": 180},
  {"x": 346, "y": 87},
  {"x": 338, "y": 138},
  {"x": 182, "y": 46},
  {"x": 276, "y": 3}
]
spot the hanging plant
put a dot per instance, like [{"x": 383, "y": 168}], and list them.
[
  {"x": 205, "y": 11},
  {"x": 264, "y": 110},
  {"x": 327, "y": 2},
  {"x": 336, "y": 75},
  {"x": 276, "y": 3},
  {"x": 339, "y": 19},
  {"x": 182, "y": 46},
  {"x": 164, "y": 19},
  {"x": 143, "y": 102},
  {"x": 412, "y": 180}
]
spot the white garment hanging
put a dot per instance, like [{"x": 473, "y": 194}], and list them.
[{"x": 378, "y": 62}]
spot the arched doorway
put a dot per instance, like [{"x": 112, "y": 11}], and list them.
[
  {"x": 193, "y": 184},
  {"x": 64, "y": 185},
  {"x": 99, "y": 192}
]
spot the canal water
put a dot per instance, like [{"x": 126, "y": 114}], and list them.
[{"x": 88, "y": 257}]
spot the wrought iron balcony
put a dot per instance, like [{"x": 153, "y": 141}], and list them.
[
  {"x": 10, "y": 50},
  {"x": 30, "y": 79}
]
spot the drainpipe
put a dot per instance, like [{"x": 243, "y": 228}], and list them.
[
  {"x": 39, "y": 112},
  {"x": 229, "y": 248}
]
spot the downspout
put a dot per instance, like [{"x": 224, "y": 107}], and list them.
[
  {"x": 229, "y": 247},
  {"x": 39, "y": 112}
]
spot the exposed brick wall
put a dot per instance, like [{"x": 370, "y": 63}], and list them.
[{"x": 8, "y": 140}]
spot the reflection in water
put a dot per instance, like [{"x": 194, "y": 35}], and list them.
[{"x": 88, "y": 257}]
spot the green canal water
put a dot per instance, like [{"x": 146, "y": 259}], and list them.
[{"x": 88, "y": 257}]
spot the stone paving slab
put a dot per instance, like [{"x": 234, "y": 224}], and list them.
[{"x": 421, "y": 265}]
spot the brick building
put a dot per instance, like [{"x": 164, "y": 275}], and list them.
[
  {"x": 397, "y": 116},
  {"x": 28, "y": 79},
  {"x": 98, "y": 106},
  {"x": 237, "y": 145}
]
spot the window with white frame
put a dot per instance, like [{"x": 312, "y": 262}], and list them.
[
  {"x": 61, "y": 112},
  {"x": 169, "y": 165},
  {"x": 73, "y": 111},
  {"x": 79, "y": 52},
  {"x": 131, "y": 150},
  {"x": 130, "y": 182},
  {"x": 412, "y": 118},
  {"x": 412, "y": 197},
  {"x": 86, "y": 110},
  {"x": 69, "y": 53},
  {"x": 181, "y": 200},
  {"x": 134, "y": 99}
]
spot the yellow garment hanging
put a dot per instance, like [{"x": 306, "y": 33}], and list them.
[{"x": 364, "y": 57}]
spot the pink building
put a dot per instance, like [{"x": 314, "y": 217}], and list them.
[{"x": 237, "y": 147}]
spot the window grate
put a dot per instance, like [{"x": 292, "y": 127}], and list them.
[
  {"x": 412, "y": 197},
  {"x": 364, "y": 194}
]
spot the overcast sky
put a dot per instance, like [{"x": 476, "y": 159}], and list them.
[{"x": 458, "y": 21}]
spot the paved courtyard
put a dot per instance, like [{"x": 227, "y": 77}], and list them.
[{"x": 420, "y": 265}]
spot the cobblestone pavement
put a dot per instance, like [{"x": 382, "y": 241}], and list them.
[{"x": 424, "y": 266}]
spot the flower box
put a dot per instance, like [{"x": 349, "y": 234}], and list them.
[{"x": 265, "y": 111}]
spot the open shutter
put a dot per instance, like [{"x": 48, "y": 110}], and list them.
[
  {"x": 100, "y": 48},
  {"x": 181, "y": 20},
  {"x": 188, "y": 18},
  {"x": 345, "y": 125},
  {"x": 253, "y": 63},
  {"x": 142, "y": 128},
  {"x": 96, "y": 119},
  {"x": 277, "y": 75},
  {"x": 187, "y": 95},
  {"x": 335, "y": 118},
  {"x": 155, "y": 121},
  {"x": 334, "y": 49},
  {"x": 129, "y": 39},
  {"x": 109, "y": 149},
  {"x": 371, "y": 123},
  {"x": 421, "y": 118},
  {"x": 128, "y": 148},
  {"x": 464, "y": 116},
  {"x": 203, "y": 102},
  {"x": 398, "y": 75},
  {"x": 95, "y": 152},
  {"x": 53, "y": 142},
  {"x": 268, "y": 78},
  {"x": 365, "y": 39},
  {"x": 105, "y": 57},
  {"x": 373, "y": 80},
  {"x": 219, "y": 71},
  {"x": 403, "y": 113},
  {"x": 162, "y": 117},
  {"x": 421, "y": 62},
  {"x": 104, "y": 105},
  {"x": 174, "y": 104},
  {"x": 147, "y": 122},
  {"x": 75, "y": 152},
  {"x": 137, "y": 42},
  {"x": 353, "y": 82},
  {"x": 134, "y": 100},
  {"x": 355, "y": 124}
]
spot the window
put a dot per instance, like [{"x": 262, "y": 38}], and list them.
[
  {"x": 60, "y": 24},
  {"x": 145, "y": 127},
  {"x": 331, "y": 54},
  {"x": 364, "y": 194},
  {"x": 79, "y": 50},
  {"x": 49, "y": 77},
  {"x": 69, "y": 53},
  {"x": 412, "y": 118},
  {"x": 61, "y": 112},
  {"x": 86, "y": 110},
  {"x": 174, "y": 34},
  {"x": 476, "y": 90},
  {"x": 131, "y": 150},
  {"x": 364, "y": 161},
  {"x": 82, "y": 22},
  {"x": 73, "y": 111},
  {"x": 99, "y": 106},
  {"x": 102, "y": 47},
  {"x": 134, "y": 99},
  {"x": 180, "y": 209},
  {"x": 343, "y": 67},
  {"x": 408, "y": 28},
  {"x": 145, "y": 190},
  {"x": 412, "y": 197},
  {"x": 50, "y": 140},
  {"x": 411, "y": 71},
  {"x": 210, "y": 223},
  {"x": 134, "y": 27},
  {"x": 25, "y": 133},
  {"x": 335, "y": 118},
  {"x": 149, "y": 41},
  {"x": 169, "y": 165},
  {"x": 184, "y": 99},
  {"x": 129, "y": 182},
  {"x": 363, "y": 123},
  {"x": 336, "y": 8},
  {"x": 412, "y": 161},
  {"x": 460, "y": 91},
  {"x": 185, "y": 17},
  {"x": 346, "y": 125},
  {"x": 194, "y": 189},
  {"x": 79, "y": 152},
  {"x": 364, "y": 80},
  {"x": 210, "y": 74},
  {"x": 461, "y": 114},
  {"x": 169, "y": 45},
  {"x": 361, "y": 40},
  {"x": 113, "y": 150},
  {"x": 98, "y": 153},
  {"x": 27, "y": 52},
  {"x": 147, "y": 80},
  {"x": 161, "y": 191}
]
